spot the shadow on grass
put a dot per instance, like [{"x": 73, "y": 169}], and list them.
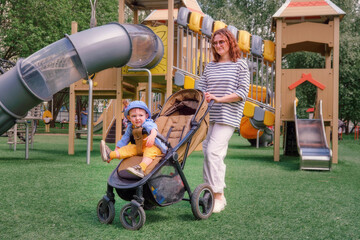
[
  {"x": 238, "y": 146},
  {"x": 257, "y": 155},
  {"x": 157, "y": 215}
]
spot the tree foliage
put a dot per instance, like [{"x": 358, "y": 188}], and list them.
[
  {"x": 253, "y": 16},
  {"x": 349, "y": 72},
  {"x": 28, "y": 26}
]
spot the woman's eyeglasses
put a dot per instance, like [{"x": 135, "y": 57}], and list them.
[{"x": 221, "y": 42}]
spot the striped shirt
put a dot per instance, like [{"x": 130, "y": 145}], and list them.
[{"x": 223, "y": 79}]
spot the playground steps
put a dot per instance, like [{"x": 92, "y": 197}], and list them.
[
  {"x": 17, "y": 134},
  {"x": 111, "y": 136}
]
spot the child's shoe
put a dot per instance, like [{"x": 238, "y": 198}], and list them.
[
  {"x": 136, "y": 170},
  {"x": 104, "y": 151}
]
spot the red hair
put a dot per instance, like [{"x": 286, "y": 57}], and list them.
[{"x": 234, "y": 49}]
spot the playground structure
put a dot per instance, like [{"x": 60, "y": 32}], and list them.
[
  {"x": 36, "y": 78},
  {"x": 299, "y": 26},
  {"x": 23, "y": 131},
  {"x": 193, "y": 52},
  {"x": 307, "y": 26}
]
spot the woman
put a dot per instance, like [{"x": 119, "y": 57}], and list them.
[{"x": 226, "y": 81}]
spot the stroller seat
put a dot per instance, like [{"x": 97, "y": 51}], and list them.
[
  {"x": 173, "y": 128},
  {"x": 174, "y": 123}
]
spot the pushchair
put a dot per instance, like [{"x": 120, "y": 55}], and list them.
[{"x": 182, "y": 124}]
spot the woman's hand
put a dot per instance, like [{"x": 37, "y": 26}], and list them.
[
  {"x": 233, "y": 97},
  {"x": 209, "y": 97}
]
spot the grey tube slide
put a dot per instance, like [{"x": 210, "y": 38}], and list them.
[{"x": 36, "y": 78}]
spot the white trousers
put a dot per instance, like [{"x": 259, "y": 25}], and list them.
[{"x": 215, "y": 149}]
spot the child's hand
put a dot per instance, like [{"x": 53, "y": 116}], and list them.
[{"x": 150, "y": 140}]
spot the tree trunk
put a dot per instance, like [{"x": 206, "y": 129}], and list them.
[{"x": 58, "y": 101}]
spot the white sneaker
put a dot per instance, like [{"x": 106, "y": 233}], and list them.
[{"x": 219, "y": 205}]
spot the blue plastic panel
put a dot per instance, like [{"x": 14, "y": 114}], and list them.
[
  {"x": 179, "y": 79},
  {"x": 233, "y": 30},
  {"x": 207, "y": 25},
  {"x": 183, "y": 16},
  {"x": 259, "y": 114},
  {"x": 256, "y": 45}
]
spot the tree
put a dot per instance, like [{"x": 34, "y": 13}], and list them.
[
  {"x": 42, "y": 22},
  {"x": 253, "y": 16},
  {"x": 349, "y": 73},
  {"x": 349, "y": 86}
]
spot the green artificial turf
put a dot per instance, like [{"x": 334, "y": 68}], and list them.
[{"x": 54, "y": 196}]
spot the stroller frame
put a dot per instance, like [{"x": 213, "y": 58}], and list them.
[{"x": 132, "y": 215}]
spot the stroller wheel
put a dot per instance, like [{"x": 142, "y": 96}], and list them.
[
  {"x": 202, "y": 201},
  {"x": 132, "y": 217},
  {"x": 105, "y": 211}
]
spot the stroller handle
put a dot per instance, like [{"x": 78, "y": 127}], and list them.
[{"x": 211, "y": 103}]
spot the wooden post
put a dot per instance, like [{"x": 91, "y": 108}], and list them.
[
  {"x": 104, "y": 128},
  {"x": 92, "y": 126},
  {"x": 137, "y": 92},
  {"x": 121, "y": 11},
  {"x": 278, "y": 90},
  {"x": 118, "y": 104},
  {"x": 136, "y": 16},
  {"x": 328, "y": 66},
  {"x": 170, "y": 50},
  {"x": 71, "y": 149},
  {"x": 335, "y": 91}
]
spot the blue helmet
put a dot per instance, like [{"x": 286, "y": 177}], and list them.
[{"x": 137, "y": 104}]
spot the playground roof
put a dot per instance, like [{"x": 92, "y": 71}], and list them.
[
  {"x": 152, "y": 4},
  {"x": 162, "y": 14},
  {"x": 295, "y": 11}
]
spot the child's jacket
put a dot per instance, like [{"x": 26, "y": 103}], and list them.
[{"x": 148, "y": 125}]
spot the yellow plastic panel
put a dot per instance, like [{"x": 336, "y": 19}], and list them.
[
  {"x": 269, "y": 118},
  {"x": 189, "y": 82},
  {"x": 195, "y": 22},
  {"x": 260, "y": 91},
  {"x": 244, "y": 41},
  {"x": 249, "y": 109},
  {"x": 219, "y": 25},
  {"x": 269, "y": 51}
]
